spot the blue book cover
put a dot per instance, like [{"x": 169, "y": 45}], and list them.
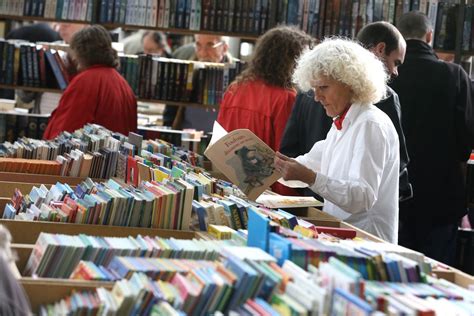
[
  {"x": 280, "y": 248},
  {"x": 258, "y": 230},
  {"x": 53, "y": 64},
  {"x": 343, "y": 302}
]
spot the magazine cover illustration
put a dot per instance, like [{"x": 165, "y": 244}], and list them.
[{"x": 244, "y": 158}]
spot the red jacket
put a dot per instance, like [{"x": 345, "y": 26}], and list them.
[
  {"x": 98, "y": 95},
  {"x": 261, "y": 108}
]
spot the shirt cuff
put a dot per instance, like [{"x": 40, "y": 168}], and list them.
[{"x": 320, "y": 184}]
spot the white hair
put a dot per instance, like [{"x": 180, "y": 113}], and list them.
[{"x": 345, "y": 61}]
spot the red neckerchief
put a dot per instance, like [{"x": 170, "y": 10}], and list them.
[{"x": 340, "y": 118}]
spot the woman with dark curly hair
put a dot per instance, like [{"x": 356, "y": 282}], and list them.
[
  {"x": 261, "y": 98},
  {"x": 98, "y": 93}
]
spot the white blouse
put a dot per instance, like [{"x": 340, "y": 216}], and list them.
[{"x": 357, "y": 171}]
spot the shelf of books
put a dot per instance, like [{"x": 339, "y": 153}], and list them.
[{"x": 41, "y": 90}]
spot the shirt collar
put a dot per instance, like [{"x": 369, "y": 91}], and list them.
[{"x": 348, "y": 116}]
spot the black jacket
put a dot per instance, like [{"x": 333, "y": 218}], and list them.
[
  {"x": 309, "y": 124},
  {"x": 438, "y": 121}
]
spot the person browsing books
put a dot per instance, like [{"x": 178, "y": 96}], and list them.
[
  {"x": 437, "y": 112},
  {"x": 309, "y": 123},
  {"x": 206, "y": 48},
  {"x": 355, "y": 169},
  {"x": 261, "y": 98},
  {"x": 98, "y": 93}
]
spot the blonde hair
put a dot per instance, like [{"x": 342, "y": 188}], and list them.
[{"x": 347, "y": 62}]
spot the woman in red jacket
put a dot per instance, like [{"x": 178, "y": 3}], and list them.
[
  {"x": 262, "y": 97},
  {"x": 98, "y": 93}
]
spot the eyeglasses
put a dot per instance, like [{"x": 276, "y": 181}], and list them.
[{"x": 208, "y": 45}]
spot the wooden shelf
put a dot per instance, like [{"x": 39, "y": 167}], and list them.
[
  {"x": 134, "y": 27},
  {"x": 167, "y": 102},
  {"x": 38, "y": 18},
  {"x": 56, "y": 290},
  {"x": 13, "y": 112},
  {"x": 33, "y": 89},
  {"x": 27, "y": 232}
]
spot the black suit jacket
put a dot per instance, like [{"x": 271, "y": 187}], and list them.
[{"x": 438, "y": 121}]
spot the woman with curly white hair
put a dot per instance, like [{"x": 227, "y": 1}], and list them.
[{"x": 355, "y": 169}]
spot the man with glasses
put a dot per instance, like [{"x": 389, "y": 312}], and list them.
[
  {"x": 309, "y": 123},
  {"x": 207, "y": 48}
]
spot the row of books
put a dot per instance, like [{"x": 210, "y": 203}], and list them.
[
  {"x": 99, "y": 153},
  {"x": 13, "y": 126},
  {"x": 375, "y": 261},
  {"x": 28, "y": 64},
  {"x": 81, "y": 10},
  {"x": 91, "y": 151},
  {"x": 317, "y": 17},
  {"x": 164, "y": 205},
  {"x": 56, "y": 255},
  {"x": 334, "y": 288},
  {"x": 32, "y": 65},
  {"x": 177, "y": 80}
]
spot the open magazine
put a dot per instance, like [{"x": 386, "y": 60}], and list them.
[{"x": 243, "y": 158}]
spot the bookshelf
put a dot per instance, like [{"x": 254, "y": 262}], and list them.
[
  {"x": 132, "y": 27},
  {"x": 36, "y": 89}
]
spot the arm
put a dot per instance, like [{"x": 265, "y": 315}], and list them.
[
  {"x": 358, "y": 191},
  {"x": 169, "y": 114},
  {"x": 391, "y": 106},
  {"x": 464, "y": 115}
]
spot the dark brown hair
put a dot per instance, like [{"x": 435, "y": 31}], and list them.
[
  {"x": 380, "y": 32},
  {"x": 274, "y": 58},
  {"x": 93, "y": 46}
]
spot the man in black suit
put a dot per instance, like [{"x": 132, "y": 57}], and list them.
[
  {"x": 309, "y": 123},
  {"x": 438, "y": 120}
]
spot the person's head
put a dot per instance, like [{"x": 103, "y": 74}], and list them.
[
  {"x": 341, "y": 72},
  {"x": 211, "y": 48},
  {"x": 67, "y": 30},
  {"x": 93, "y": 46},
  {"x": 415, "y": 25},
  {"x": 155, "y": 43},
  {"x": 385, "y": 41},
  {"x": 274, "y": 58}
]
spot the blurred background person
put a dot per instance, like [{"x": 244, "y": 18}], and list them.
[
  {"x": 98, "y": 93},
  {"x": 262, "y": 96},
  {"x": 208, "y": 48},
  {"x": 67, "y": 30},
  {"x": 147, "y": 42},
  {"x": 437, "y": 112},
  {"x": 155, "y": 43}
]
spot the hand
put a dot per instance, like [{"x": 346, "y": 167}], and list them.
[{"x": 290, "y": 169}]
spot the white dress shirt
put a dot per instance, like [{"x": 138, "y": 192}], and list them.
[{"x": 357, "y": 171}]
